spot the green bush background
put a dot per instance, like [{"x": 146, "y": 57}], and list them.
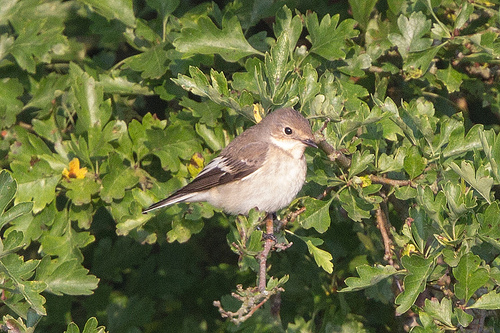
[{"x": 396, "y": 229}]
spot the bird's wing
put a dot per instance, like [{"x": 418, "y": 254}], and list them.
[{"x": 229, "y": 166}]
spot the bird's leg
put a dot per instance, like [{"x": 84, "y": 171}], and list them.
[{"x": 269, "y": 241}]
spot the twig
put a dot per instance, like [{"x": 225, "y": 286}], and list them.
[
  {"x": 391, "y": 182},
  {"x": 265, "y": 252},
  {"x": 382, "y": 226}
]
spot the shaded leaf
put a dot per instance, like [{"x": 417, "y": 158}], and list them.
[
  {"x": 418, "y": 270},
  {"x": 205, "y": 38},
  {"x": 323, "y": 259},
  {"x": 68, "y": 277},
  {"x": 368, "y": 276},
  {"x": 469, "y": 276}
]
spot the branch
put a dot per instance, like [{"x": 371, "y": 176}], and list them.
[
  {"x": 265, "y": 252},
  {"x": 382, "y": 226}
]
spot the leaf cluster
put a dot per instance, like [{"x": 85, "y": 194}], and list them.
[{"x": 109, "y": 106}]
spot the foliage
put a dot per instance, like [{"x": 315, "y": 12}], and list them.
[{"x": 109, "y": 106}]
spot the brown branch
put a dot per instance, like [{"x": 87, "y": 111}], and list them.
[
  {"x": 392, "y": 182},
  {"x": 265, "y": 252},
  {"x": 382, "y": 226}
]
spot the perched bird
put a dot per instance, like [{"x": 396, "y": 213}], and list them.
[{"x": 262, "y": 168}]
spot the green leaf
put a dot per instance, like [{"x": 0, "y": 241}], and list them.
[
  {"x": 289, "y": 26},
  {"x": 489, "y": 301},
  {"x": 414, "y": 164},
  {"x": 481, "y": 182},
  {"x": 205, "y": 38},
  {"x": 323, "y": 259},
  {"x": 491, "y": 148},
  {"x": 451, "y": 78},
  {"x": 469, "y": 276},
  {"x": 463, "y": 317},
  {"x": 316, "y": 215},
  {"x": 67, "y": 277},
  {"x": 37, "y": 182},
  {"x": 34, "y": 43},
  {"x": 440, "y": 311},
  {"x": 459, "y": 145},
  {"x": 412, "y": 29},
  {"x": 80, "y": 191},
  {"x": 356, "y": 207},
  {"x": 418, "y": 270},
  {"x": 490, "y": 225},
  {"x": 360, "y": 161},
  {"x": 309, "y": 86},
  {"x": 89, "y": 96},
  {"x": 361, "y": 10},
  {"x": 121, "y": 10},
  {"x": 152, "y": 64},
  {"x": 329, "y": 40},
  {"x": 10, "y": 92},
  {"x": 8, "y": 188},
  {"x": 368, "y": 276},
  {"x": 119, "y": 179},
  {"x": 183, "y": 229},
  {"x": 177, "y": 141}
]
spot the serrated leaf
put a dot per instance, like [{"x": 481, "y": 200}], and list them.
[
  {"x": 469, "y": 276},
  {"x": 328, "y": 37},
  {"x": 440, "y": 311},
  {"x": 360, "y": 161},
  {"x": 68, "y": 277},
  {"x": 491, "y": 148},
  {"x": 463, "y": 317},
  {"x": 361, "y": 10},
  {"x": 323, "y": 259},
  {"x": 490, "y": 225},
  {"x": 80, "y": 191},
  {"x": 121, "y": 10},
  {"x": 309, "y": 86},
  {"x": 31, "y": 291},
  {"x": 414, "y": 162},
  {"x": 482, "y": 184},
  {"x": 288, "y": 25},
  {"x": 90, "y": 97},
  {"x": 489, "y": 301},
  {"x": 451, "y": 78},
  {"x": 418, "y": 270},
  {"x": 356, "y": 207},
  {"x": 37, "y": 183},
  {"x": 34, "y": 43},
  {"x": 119, "y": 179},
  {"x": 10, "y": 91},
  {"x": 152, "y": 64},
  {"x": 412, "y": 29},
  {"x": 368, "y": 276},
  {"x": 8, "y": 188},
  {"x": 316, "y": 215},
  {"x": 205, "y": 38}
]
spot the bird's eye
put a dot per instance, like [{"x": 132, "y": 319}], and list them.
[{"x": 287, "y": 130}]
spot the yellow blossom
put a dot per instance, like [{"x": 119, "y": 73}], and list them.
[
  {"x": 408, "y": 249},
  {"x": 74, "y": 170},
  {"x": 196, "y": 164},
  {"x": 258, "y": 111}
]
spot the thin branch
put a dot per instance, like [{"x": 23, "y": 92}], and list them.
[
  {"x": 382, "y": 226},
  {"x": 392, "y": 182},
  {"x": 265, "y": 252}
]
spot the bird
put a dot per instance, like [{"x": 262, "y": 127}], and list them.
[{"x": 263, "y": 168}]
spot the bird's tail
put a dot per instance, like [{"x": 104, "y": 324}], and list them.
[{"x": 175, "y": 198}]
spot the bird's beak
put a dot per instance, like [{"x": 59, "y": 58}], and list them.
[{"x": 310, "y": 143}]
